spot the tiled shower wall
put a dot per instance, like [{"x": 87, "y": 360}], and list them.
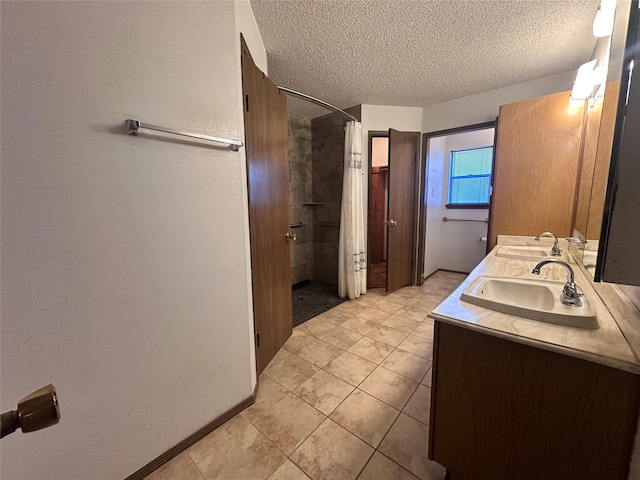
[
  {"x": 327, "y": 146},
  {"x": 300, "y": 192}
]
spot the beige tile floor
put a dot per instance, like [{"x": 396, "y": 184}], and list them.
[{"x": 348, "y": 397}]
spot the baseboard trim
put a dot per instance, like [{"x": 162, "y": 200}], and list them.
[
  {"x": 451, "y": 271},
  {"x": 191, "y": 439},
  {"x": 442, "y": 270}
]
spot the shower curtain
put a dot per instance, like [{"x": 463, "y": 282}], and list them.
[{"x": 352, "y": 260}]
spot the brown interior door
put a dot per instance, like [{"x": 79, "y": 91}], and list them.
[
  {"x": 266, "y": 130},
  {"x": 377, "y": 214},
  {"x": 401, "y": 231}
]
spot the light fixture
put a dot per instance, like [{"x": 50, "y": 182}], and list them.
[
  {"x": 583, "y": 85},
  {"x": 603, "y": 23},
  {"x": 592, "y": 76}
]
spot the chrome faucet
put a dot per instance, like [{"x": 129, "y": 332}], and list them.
[
  {"x": 570, "y": 294},
  {"x": 555, "y": 250}
]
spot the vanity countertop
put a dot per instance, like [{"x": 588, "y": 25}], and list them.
[{"x": 606, "y": 345}]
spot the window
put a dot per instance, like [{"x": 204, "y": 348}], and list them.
[{"x": 470, "y": 177}]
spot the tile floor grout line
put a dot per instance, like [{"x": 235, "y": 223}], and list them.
[
  {"x": 375, "y": 398},
  {"x": 302, "y": 441},
  {"x": 405, "y": 403},
  {"x": 297, "y": 465},
  {"x": 282, "y": 463},
  {"x": 202, "y": 475},
  {"x": 402, "y": 467}
]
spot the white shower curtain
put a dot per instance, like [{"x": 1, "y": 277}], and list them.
[{"x": 352, "y": 259}]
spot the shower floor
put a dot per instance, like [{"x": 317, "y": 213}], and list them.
[{"x": 313, "y": 299}]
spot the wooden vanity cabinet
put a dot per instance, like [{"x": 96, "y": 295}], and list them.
[{"x": 502, "y": 410}]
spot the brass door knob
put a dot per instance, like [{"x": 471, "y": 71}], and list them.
[
  {"x": 292, "y": 236},
  {"x": 392, "y": 223}
]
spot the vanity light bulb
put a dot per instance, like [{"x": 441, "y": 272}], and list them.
[
  {"x": 603, "y": 23},
  {"x": 583, "y": 86}
]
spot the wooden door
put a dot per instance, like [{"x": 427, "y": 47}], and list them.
[
  {"x": 401, "y": 231},
  {"x": 377, "y": 214},
  {"x": 536, "y": 163},
  {"x": 266, "y": 131}
]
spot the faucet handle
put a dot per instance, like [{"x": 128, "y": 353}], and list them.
[{"x": 571, "y": 296}]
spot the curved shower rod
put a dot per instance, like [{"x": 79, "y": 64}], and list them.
[{"x": 311, "y": 99}]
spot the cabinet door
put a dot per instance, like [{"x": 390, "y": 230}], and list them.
[
  {"x": 504, "y": 410},
  {"x": 537, "y": 151}
]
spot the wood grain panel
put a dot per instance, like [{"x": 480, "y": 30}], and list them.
[
  {"x": 504, "y": 410},
  {"x": 265, "y": 116},
  {"x": 602, "y": 160},
  {"x": 587, "y": 163},
  {"x": 403, "y": 156},
  {"x": 377, "y": 207},
  {"x": 538, "y": 145}
]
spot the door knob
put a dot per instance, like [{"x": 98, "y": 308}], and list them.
[
  {"x": 392, "y": 223},
  {"x": 35, "y": 411},
  {"x": 291, "y": 236}
]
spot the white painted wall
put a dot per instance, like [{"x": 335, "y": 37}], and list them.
[
  {"x": 452, "y": 245},
  {"x": 247, "y": 26},
  {"x": 483, "y": 107},
  {"x": 125, "y": 283},
  {"x": 379, "y": 151},
  {"x": 382, "y": 117}
]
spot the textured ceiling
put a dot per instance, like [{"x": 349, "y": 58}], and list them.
[{"x": 418, "y": 53}]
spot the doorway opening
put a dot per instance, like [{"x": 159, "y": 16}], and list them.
[
  {"x": 392, "y": 209},
  {"x": 316, "y": 164},
  {"x": 378, "y": 210},
  {"x": 457, "y": 172}
]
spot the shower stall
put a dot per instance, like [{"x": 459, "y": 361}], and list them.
[{"x": 316, "y": 166}]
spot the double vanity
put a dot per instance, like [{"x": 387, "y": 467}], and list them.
[{"x": 533, "y": 377}]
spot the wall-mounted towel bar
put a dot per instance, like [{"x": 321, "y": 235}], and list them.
[
  {"x": 134, "y": 125},
  {"x": 447, "y": 219}
]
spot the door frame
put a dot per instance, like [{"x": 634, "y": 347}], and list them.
[
  {"x": 424, "y": 177},
  {"x": 414, "y": 255}
]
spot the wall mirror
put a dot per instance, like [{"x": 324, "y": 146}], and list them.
[
  {"x": 598, "y": 138},
  {"x": 618, "y": 260}
]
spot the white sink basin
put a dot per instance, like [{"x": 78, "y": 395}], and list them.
[
  {"x": 533, "y": 254},
  {"x": 534, "y": 299}
]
